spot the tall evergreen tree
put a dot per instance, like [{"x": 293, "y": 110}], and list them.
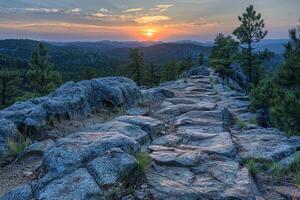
[
  {"x": 9, "y": 86},
  {"x": 185, "y": 65},
  {"x": 151, "y": 75},
  {"x": 88, "y": 73},
  {"x": 200, "y": 59},
  {"x": 169, "y": 71},
  {"x": 41, "y": 75},
  {"x": 251, "y": 30},
  {"x": 137, "y": 62},
  {"x": 222, "y": 54},
  {"x": 282, "y": 95}
]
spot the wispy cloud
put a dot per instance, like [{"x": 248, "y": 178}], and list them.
[
  {"x": 151, "y": 19},
  {"x": 133, "y": 10},
  {"x": 75, "y": 10},
  {"x": 162, "y": 7},
  {"x": 104, "y": 10},
  {"x": 42, "y": 10}
]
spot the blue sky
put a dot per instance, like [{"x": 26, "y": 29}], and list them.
[{"x": 87, "y": 20}]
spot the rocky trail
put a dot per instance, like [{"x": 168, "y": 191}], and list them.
[{"x": 190, "y": 129}]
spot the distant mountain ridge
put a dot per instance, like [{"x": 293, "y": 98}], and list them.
[{"x": 106, "y": 56}]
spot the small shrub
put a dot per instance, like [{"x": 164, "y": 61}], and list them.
[
  {"x": 295, "y": 165},
  {"x": 252, "y": 121},
  {"x": 297, "y": 178},
  {"x": 276, "y": 170},
  {"x": 252, "y": 166},
  {"x": 15, "y": 146},
  {"x": 241, "y": 124},
  {"x": 144, "y": 161}
]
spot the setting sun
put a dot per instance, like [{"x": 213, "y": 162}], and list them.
[{"x": 149, "y": 34}]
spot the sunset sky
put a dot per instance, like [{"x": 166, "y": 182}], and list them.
[{"x": 169, "y": 20}]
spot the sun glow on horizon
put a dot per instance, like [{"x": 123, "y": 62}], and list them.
[{"x": 149, "y": 33}]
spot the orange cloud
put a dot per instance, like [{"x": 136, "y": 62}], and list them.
[{"x": 151, "y": 19}]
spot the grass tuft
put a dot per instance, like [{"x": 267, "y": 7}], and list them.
[
  {"x": 144, "y": 161},
  {"x": 241, "y": 124},
  {"x": 15, "y": 146},
  {"x": 252, "y": 166}
]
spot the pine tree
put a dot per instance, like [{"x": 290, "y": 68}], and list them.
[
  {"x": 281, "y": 96},
  {"x": 288, "y": 73},
  {"x": 251, "y": 30},
  {"x": 41, "y": 75},
  {"x": 9, "y": 86},
  {"x": 151, "y": 75},
  {"x": 137, "y": 62},
  {"x": 88, "y": 73},
  {"x": 222, "y": 55},
  {"x": 185, "y": 65},
  {"x": 200, "y": 59},
  {"x": 169, "y": 71}
]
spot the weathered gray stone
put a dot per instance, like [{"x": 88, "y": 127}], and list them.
[
  {"x": 112, "y": 168},
  {"x": 199, "y": 70},
  {"x": 23, "y": 192},
  {"x": 138, "y": 111},
  {"x": 156, "y": 95},
  {"x": 171, "y": 183},
  {"x": 284, "y": 163},
  {"x": 244, "y": 187},
  {"x": 220, "y": 144},
  {"x": 266, "y": 144},
  {"x": 130, "y": 130},
  {"x": 152, "y": 126},
  {"x": 184, "y": 108},
  {"x": 78, "y": 185},
  {"x": 38, "y": 149},
  {"x": 71, "y": 100},
  {"x": 168, "y": 140},
  {"x": 74, "y": 151}
]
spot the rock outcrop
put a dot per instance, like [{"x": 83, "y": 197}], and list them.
[
  {"x": 67, "y": 102},
  {"x": 193, "y": 139}
]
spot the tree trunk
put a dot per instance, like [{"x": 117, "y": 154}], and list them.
[
  {"x": 249, "y": 65},
  {"x": 3, "y": 100}
]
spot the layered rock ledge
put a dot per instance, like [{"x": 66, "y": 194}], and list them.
[{"x": 192, "y": 137}]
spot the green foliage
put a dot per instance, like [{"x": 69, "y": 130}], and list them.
[
  {"x": 222, "y": 55},
  {"x": 297, "y": 178},
  {"x": 15, "y": 146},
  {"x": 285, "y": 112},
  {"x": 281, "y": 96},
  {"x": 43, "y": 79},
  {"x": 262, "y": 95},
  {"x": 184, "y": 65},
  {"x": 295, "y": 165},
  {"x": 251, "y": 30},
  {"x": 144, "y": 161},
  {"x": 27, "y": 95},
  {"x": 136, "y": 66},
  {"x": 9, "y": 86},
  {"x": 276, "y": 169},
  {"x": 169, "y": 71},
  {"x": 252, "y": 166},
  {"x": 241, "y": 124},
  {"x": 201, "y": 59},
  {"x": 152, "y": 76},
  {"x": 88, "y": 73}
]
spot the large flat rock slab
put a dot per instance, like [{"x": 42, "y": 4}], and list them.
[
  {"x": 78, "y": 185},
  {"x": 179, "y": 109},
  {"x": 73, "y": 152},
  {"x": 112, "y": 168},
  {"x": 266, "y": 144},
  {"x": 152, "y": 126}
]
